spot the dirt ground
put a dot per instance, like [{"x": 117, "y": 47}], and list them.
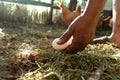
[
  {"x": 18, "y": 41},
  {"x": 26, "y": 54}
]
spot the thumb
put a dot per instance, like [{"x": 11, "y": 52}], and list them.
[{"x": 66, "y": 36}]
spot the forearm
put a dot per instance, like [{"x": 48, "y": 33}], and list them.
[
  {"x": 93, "y": 8},
  {"x": 116, "y": 16}
]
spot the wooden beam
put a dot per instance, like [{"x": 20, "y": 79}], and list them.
[{"x": 30, "y": 2}]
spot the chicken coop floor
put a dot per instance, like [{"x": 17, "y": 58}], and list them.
[{"x": 26, "y": 54}]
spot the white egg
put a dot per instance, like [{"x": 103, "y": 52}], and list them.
[{"x": 62, "y": 46}]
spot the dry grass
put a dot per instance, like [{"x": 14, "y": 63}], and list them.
[{"x": 47, "y": 62}]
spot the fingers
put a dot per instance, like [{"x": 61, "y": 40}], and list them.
[
  {"x": 66, "y": 36},
  {"x": 74, "y": 48},
  {"x": 103, "y": 39}
]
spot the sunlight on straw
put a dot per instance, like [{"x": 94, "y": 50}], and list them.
[
  {"x": 25, "y": 50},
  {"x": 2, "y": 34}
]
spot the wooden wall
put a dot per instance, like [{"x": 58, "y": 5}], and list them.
[{"x": 34, "y": 13}]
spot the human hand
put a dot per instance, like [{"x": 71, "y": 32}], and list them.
[
  {"x": 83, "y": 27},
  {"x": 82, "y": 32}
]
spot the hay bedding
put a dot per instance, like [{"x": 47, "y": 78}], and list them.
[{"x": 26, "y": 54}]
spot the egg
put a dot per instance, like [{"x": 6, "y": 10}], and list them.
[{"x": 61, "y": 46}]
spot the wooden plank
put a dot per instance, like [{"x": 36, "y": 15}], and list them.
[
  {"x": 28, "y": 2},
  {"x": 38, "y": 3}
]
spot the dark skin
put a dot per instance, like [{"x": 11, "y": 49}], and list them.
[
  {"x": 83, "y": 27},
  {"x": 115, "y": 35}
]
